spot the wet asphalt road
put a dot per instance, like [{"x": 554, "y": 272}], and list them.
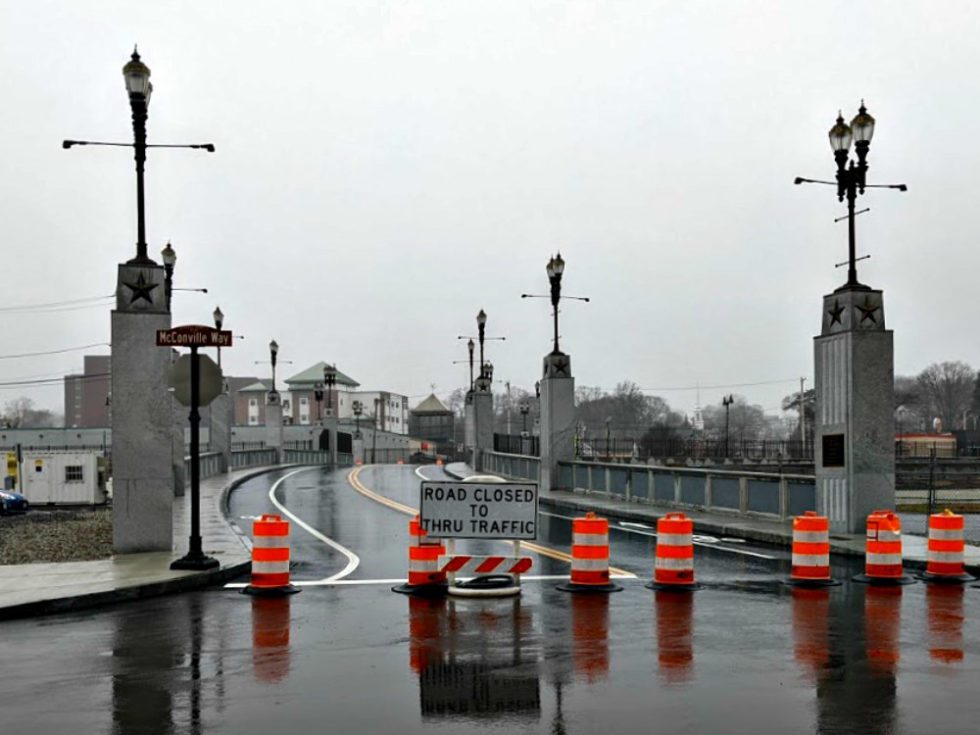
[{"x": 743, "y": 655}]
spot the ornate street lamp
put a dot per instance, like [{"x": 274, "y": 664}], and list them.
[
  {"x": 727, "y": 402},
  {"x": 358, "y": 409},
  {"x": 169, "y": 257},
  {"x": 273, "y": 358},
  {"x": 330, "y": 379},
  {"x": 219, "y": 322},
  {"x": 481, "y": 326},
  {"x": 852, "y": 178},
  {"x": 555, "y": 269},
  {"x": 525, "y": 409},
  {"x": 318, "y": 395},
  {"x": 139, "y": 89}
]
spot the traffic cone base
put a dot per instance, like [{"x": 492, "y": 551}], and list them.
[
  {"x": 883, "y": 581},
  {"x": 673, "y": 586},
  {"x": 422, "y": 590},
  {"x": 589, "y": 588},
  {"x": 811, "y": 584},
  {"x": 289, "y": 589},
  {"x": 945, "y": 578}
]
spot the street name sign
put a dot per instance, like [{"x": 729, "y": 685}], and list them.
[
  {"x": 193, "y": 335},
  {"x": 211, "y": 380},
  {"x": 474, "y": 510}
]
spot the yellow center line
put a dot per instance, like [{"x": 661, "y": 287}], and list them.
[{"x": 353, "y": 478}]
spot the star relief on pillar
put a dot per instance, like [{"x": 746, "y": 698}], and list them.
[
  {"x": 853, "y": 310},
  {"x": 141, "y": 289},
  {"x": 557, "y": 365}
]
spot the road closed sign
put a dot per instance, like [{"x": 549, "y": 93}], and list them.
[{"x": 479, "y": 510}]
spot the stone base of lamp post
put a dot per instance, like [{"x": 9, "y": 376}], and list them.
[
  {"x": 557, "y": 417},
  {"x": 357, "y": 445},
  {"x": 854, "y": 437},
  {"x": 142, "y": 415},
  {"x": 273, "y": 423},
  {"x": 482, "y": 422}
]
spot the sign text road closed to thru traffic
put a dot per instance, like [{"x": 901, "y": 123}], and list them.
[{"x": 479, "y": 510}]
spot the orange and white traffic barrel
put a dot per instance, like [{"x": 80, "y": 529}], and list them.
[
  {"x": 424, "y": 574},
  {"x": 270, "y": 557},
  {"x": 673, "y": 565},
  {"x": 944, "y": 558},
  {"x": 883, "y": 551},
  {"x": 590, "y": 556},
  {"x": 811, "y": 551}
]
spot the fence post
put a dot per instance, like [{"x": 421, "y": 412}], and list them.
[
  {"x": 707, "y": 491},
  {"x": 606, "y": 484},
  {"x": 677, "y": 487},
  {"x": 743, "y": 495},
  {"x": 783, "y": 497}
]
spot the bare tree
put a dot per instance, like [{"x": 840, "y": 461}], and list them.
[
  {"x": 947, "y": 391},
  {"x": 20, "y": 413}
]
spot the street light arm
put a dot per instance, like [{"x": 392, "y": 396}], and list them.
[
  {"x": 209, "y": 147},
  {"x": 900, "y": 187},
  {"x": 198, "y": 290},
  {"x": 801, "y": 180}
]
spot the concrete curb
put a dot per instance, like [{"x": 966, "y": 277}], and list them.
[{"x": 188, "y": 582}]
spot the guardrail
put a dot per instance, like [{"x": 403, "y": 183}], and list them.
[
  {"x": 517, "y": 466},
  {"x": 253, "y": 457},
  {"x": 212, "y": 463},
  {"x": 764, "y": 494}
]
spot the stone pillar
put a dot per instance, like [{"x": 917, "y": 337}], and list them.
[
  {"x": 469, "y": 428},
  {"x": 557, "y": 417},
  {"x": 221, "y": 421},
  {"x": 482, "y": 421},
  {"x": 854, "y": 441},
  {"x": 357, "y": 445},
  {"x": 273, "y": 423},
  {"x": 142, "y": 414}
]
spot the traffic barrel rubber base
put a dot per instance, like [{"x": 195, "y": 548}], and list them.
[
  {"x": 487, "y": 585},
  {"x": 883, "y": 581},
  {"x": 593, "y": 589},
  {"x": 945, "y": 578},
  {"x": 289, "y": 589},
  {"x": 811, "y": 584},
  {"x": 422, "y": 590},
  {"x": 663, "y": 587}
]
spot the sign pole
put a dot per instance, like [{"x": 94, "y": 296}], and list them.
[{"x": 195, "y": 557}]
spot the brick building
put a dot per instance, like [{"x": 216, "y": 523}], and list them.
[{"x": 87, "y": 402}]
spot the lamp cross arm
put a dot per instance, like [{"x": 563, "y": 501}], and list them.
[
  {"x": 544, "y": 296},
  {"x": 209, "y": 147},
  {"x": 485, "y": 339}
]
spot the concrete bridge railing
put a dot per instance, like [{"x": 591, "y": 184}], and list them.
[
  {"x": 763, "y": 494},
  {"x": 253, "y": 457},
  {"x": 516, "y": 466}
]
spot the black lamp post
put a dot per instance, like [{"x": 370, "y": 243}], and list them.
[
  {"x": 318, "y": 395},
  {"x": 219, "y": 321},
  {"x": 358, "y": 409},
  {"x": 273, "y": 357},
  {"x": 470, "y": 346},
  {"x": 727, "y": 402},
  {"x": 852, "y": 178},
  {"x": 481, "y": 325},
  {"x": 137, "y": 75},
  {"x": 555, "y": 268},
  {"x": 330, "y": 379},
  {"x": 525, "y": 409},
  {"x": 139, "y": 88},
  {"x": 169, "y": 257}
]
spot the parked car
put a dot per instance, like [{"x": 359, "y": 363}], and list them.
[{"x": 11, "y": 502}]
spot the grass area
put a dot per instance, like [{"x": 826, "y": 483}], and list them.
[{"x": 56, "y": 536}]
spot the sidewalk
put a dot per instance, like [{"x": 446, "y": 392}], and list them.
[
  {"x": 777, "y": 533},
  {"x": 34, "y": 589}
]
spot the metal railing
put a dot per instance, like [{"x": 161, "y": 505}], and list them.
[
  {"x": 619, "y": 449},
  {"x": 764, "y": 494},
  {"x": 253, "y": 457},
  {"x": 245, "y": 446},
  {"x": 514, "y": 466}
]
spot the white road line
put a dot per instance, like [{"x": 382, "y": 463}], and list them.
[
  {"x": 366, "y": 582},
  {"x": 352, "y": 559},
  {"x": 418, "y": 471},
  {"x": 625, "y": 529}
]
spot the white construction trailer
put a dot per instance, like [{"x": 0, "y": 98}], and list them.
[{"x": 63, "y": 478}]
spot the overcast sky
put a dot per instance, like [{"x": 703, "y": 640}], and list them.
[{"x": 386, "y": 169}]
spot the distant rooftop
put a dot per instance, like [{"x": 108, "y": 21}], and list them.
[
  {"x": 432, "y": 404},
  {"x": 314, "y": 374}
]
